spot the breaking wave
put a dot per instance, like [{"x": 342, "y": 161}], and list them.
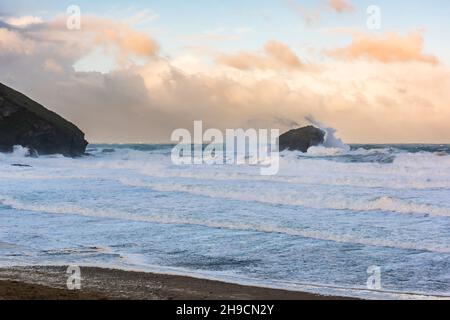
[
  {"x": 258, "y": 227},
  {"x": 295, "y": 199},
  {"x": 331, "y": 141}
]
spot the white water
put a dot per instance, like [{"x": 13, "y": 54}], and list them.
[
  {"x": 333, "y": 143},
  {"x": 322, "y": 221}
]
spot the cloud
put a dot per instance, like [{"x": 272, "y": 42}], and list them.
[
  {"x": 11, "y": 42},
  {"x": 22, "y": 21},
  {"x": 340, "y": 6},
  {"x": 388, "y": 48},
  {"x": 311, "y": 14},
  {"x": 220, "y": 34},
  {"x": 144, "y": 102},
  {"x": 118, "y": 37},
  {"x": 143, "y": 16},
  {"x": 275, "y": 56},
  {"x": 53, "y": 66},
  {"x": 125, "y": 42}
]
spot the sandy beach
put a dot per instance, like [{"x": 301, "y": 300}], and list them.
[{"x": 49, "y": 283}]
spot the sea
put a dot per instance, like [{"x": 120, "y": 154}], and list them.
[{"x": 330, "y": 221}]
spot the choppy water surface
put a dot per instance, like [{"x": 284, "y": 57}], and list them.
[{"x": 317, "y": 225}]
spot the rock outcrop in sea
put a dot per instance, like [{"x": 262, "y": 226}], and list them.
[
  {"x": 26, "y": 123},
  {"x": 302, "y": 139}
]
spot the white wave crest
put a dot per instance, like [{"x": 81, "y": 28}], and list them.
[
  {"x": 256, "y": 226},
  {"x": 309, "y": 201},
  {"x": 321, "y": 151},
  {"x": 20, "y": 152},
  {"x": 331, "y": 141}
]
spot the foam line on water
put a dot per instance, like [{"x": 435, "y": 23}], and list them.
[
  {"x": 389, "y": 204},
  {"x": 256, "y": 227},
  {"x": 408, "y": 171}
]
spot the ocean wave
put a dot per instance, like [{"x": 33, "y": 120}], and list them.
[
  {"x": 17, "y": 153},
  {"x": 311, "y": 175},
  {"x": 423, "y": 160},
  {"x": 384, "y": 203},
  {"x": 321, "y": 151},
  {"x": 20, "y": 152},
  {"x": 256, "y": 227},
  {"x": 415, "y": 171}
]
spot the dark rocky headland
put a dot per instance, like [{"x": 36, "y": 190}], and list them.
[
  {"x": 26, "y": 123},
  {"x": 302, "y": 139}
]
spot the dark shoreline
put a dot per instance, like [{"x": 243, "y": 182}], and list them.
[{"x": 49, "y": 283}]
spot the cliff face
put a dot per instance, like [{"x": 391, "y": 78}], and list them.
[
  {"x": 27, "y": 123},
  {"x": 302, "y": 139}
]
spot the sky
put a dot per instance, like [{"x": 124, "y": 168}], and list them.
[{"x": 137, "y": 70}]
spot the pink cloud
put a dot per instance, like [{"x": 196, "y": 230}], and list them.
[
  {"x": 340, "y": 6},
  {"x": 388, "y": 48},
  {"x": 275, "y": 55}
]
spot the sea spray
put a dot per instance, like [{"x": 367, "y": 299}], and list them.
[
  {"x": 331, "y": 141},
  {"x": 20, "y": 152}
]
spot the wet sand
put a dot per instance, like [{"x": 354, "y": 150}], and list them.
[{"x": 49, "y": 283}]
